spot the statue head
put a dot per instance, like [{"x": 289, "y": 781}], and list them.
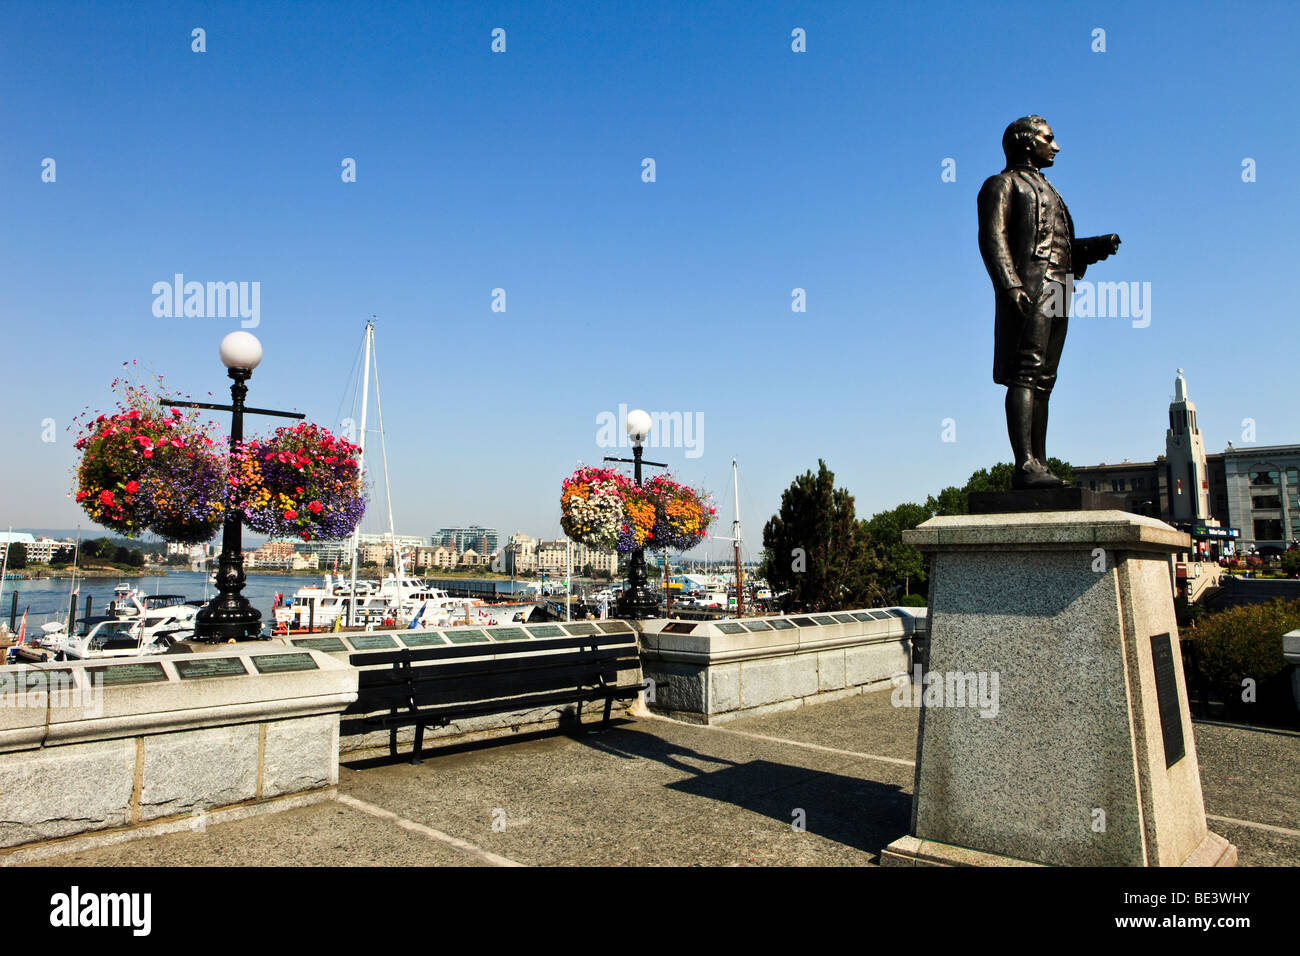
[{"x": 1029, "y": 140}]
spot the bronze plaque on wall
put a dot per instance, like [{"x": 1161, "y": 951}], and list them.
[{"x": 1171, "y": 713}]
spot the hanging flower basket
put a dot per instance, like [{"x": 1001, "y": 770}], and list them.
[
  {"x": 184, "y": 494},
  {"x": 682, "y": 514},
  {"x": 603, "y": 509},
  {"x": 146, "y": 468},
  {"x": 301, "y": 482},
  {"x": 591, "y": 506},
  {"x": 637, "y": 529}
]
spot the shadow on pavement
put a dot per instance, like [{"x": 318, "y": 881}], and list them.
[{"x": 862, "y": 814}]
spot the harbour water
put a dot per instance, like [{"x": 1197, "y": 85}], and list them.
[{"x": 47, "y": 599}]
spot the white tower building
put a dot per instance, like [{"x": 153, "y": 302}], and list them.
[{"x": 1189, "y": 476}]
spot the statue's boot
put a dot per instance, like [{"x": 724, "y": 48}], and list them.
[
  {"x": 1039, "y": 441},
  {"x": 1020, "y": 429},
  {"x": 1034, "y": 474}
]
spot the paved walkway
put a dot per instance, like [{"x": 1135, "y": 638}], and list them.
[{"x": 657, "y": 792}]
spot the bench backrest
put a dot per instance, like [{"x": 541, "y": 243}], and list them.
[{"x": 464, "y": 673}]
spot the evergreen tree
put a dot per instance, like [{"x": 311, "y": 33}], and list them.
[
  {"x": 17, "y": 556},
  {"x": 815, "y": 550}
]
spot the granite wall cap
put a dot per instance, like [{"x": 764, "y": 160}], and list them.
[
  {"x": 1047, "y": 530},
  {"x": 163, "y": 701}
]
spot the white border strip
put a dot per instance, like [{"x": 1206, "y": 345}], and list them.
[{"x": 483, "y": 856}]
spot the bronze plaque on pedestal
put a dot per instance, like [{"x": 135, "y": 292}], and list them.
[{"x": 1171, "y": 713}]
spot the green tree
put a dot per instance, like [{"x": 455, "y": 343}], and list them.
[
  {"x": 99, "y": 548},
  {"x": 1291, "y": 563},
  {"x": 816, "y": 550},
  {"x": 902, "y": 567},
  {"x": 955, "y": 501},
  {"x": 17, "y": 556}
]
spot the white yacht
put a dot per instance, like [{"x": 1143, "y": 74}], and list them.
[
  {"x": 401, "y": 600},
  {"x": 93, "y": 638}
]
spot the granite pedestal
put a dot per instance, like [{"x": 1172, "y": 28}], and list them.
[{"x": 1077, "y": 748}]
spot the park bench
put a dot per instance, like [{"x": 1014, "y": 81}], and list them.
[{"x": 435, "y": 686}]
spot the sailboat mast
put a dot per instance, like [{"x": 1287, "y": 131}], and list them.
[
  {"x": 4, "y": 567},
  {"x": 361, "y": 466},
  {"x": 388, "y": 493},
  {"x": 735, "y": 537}
]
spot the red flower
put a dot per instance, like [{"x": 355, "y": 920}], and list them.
[
  {"x": 106, "y": 497},
  {"x": 315, "y": 507},
  {"x": 132, "y": 487},
  {"x": 148, "y": 453},
  {"x": 290, "y": 515}
]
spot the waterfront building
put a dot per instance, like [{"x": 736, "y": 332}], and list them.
[
  {"x": 1264, "y": 495},
  {"x": 482, "y": 540},
  {"x": 553, "y": 557},
  {"x": 42, "y": 550},
  {"x": 404, "y": 541},
  {"x": 1242, "y": 499},
  {"x": 521, "y": 555},
  {"x": 441, "y": 557},
  {"x": 328, "y": 553}
]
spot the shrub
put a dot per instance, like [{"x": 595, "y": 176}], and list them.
[
  {"x": 1291, "y": 563},
  {"x": 1243, "y": 642}
]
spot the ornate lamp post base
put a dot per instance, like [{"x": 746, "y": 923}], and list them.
[
  {"x": 638, "y": 601},
  {"x": 219, "y": 625}
]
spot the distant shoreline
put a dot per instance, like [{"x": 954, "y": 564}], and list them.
[{"x": 46, "y": 573}]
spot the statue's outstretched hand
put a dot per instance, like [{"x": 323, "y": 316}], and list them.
[{"x": 1103, "y": 247}]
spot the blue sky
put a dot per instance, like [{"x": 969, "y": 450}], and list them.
[{"x": 522, "y": 170}]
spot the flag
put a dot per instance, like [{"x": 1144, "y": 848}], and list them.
[
  {"x": 415, "y": 621},
  {"x": 22, "y": 628},
  {"x": 338, "y": 622}
]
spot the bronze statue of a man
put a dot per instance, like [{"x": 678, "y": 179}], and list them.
[{"x": 1028, "y": 244}]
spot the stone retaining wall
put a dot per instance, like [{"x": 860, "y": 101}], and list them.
[
  {"x": 715, "y": 671},
  {"x": 102, "y": 745}
]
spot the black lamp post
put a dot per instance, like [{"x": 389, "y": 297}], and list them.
[
  {"x": 637, "y": 601},
  {"x": 229, "y": 616}
]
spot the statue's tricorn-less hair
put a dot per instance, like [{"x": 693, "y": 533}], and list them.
[{"x": 1016, "y": 139}]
